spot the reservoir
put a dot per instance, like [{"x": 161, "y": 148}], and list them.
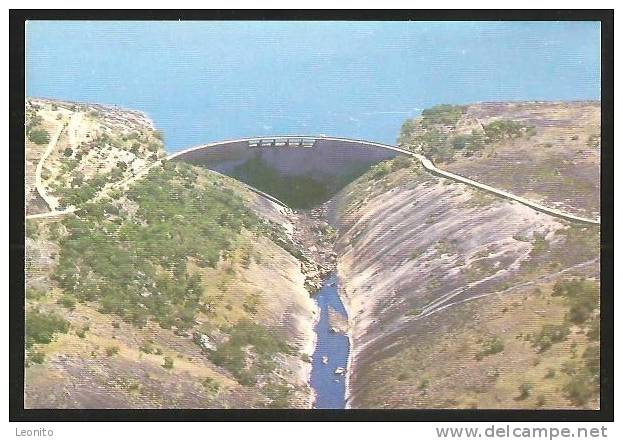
[{"x": 331, "y": 353}]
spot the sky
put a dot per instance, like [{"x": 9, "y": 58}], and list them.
[{"x": 207, "y": 81}]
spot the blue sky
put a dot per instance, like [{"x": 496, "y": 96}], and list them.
[{"x": 203, "y": 81}]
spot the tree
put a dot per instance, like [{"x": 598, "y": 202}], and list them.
[{"x": 39, "y": 136}]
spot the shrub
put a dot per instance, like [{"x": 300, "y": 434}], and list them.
[
  {"x": 68, "y": 301},
  {"x": 593, "y": 332},
  {"x": 591, "y": 361},
  {"x": 34, "y": 293},
  {"x": 582, "y": 296},
  {"x": 39, "y": 136},
  {"x": 82, "y": 331},
  {"x": 400, "y": 162},
  {"x": 446, "y": 114},
  {"x": 264, "y": 345},
  {"x": 551, "y": 373},
  {"x": 579, "y": 389},
  {"x": 168, "y": 363},
  {"x": 524, "y": 390},
  {"x": 470, "y": 143},
  {"x": 549, "y": 335},
  {"x": 490, "y": 346},
  {"x": 147, "y": 347},
  {"x": 501, "y": 129},
  {"x": 211, "y": 385},
  {"x": 35, "y": 357},
  {"x": 41, "y": 327},
  {"x": 112, "y": 350}
]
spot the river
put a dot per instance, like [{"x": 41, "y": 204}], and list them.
[{"x": 331, "y": 351}]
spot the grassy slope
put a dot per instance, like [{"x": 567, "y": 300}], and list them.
[
  {"x": 159, "y": 298},
  {"x": 546, "y": 151}
]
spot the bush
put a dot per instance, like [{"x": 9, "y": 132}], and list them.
[
  {"x": 136, "y": 267},
  {"x": 470, "y": 143},
  {"x": 35, "y": 357},
  {"x": 490, "y": 346},
  {"x": 112, "y": 350},
  {"x": 211, "y": 385},
  {"x": 445, "y": 114},
  {"x": 582, "y": 296},
  {"x": 41, "y": 327},
  {"x": 39, "y": 136},
  {"x": 502, "y": 129},
  {"x": 68, "y": 301},
  {"x": 34, "y": 293},
  {"x": 264, "y": 345},
  {"x": 592, "y": 362},
  {"x": 400, "y": 162},
  {"x": 551, "y": 373},
  {"x": 147, "y": 347},
  {"x": 524, "y": 390},
  {"x": 82, "y": 332},
  {"x": 549, "y": 335},
  {"x": 579, "y": 389},
  {"x": 168, "y": 363}
]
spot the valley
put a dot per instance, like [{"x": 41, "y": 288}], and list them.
[{"x": 172, "y": 284}]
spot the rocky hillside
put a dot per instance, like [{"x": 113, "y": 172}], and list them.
[
  {"x": 458, "y": 299},
  {"x": 546, "y": 151},
  {"x": 83, "y": 150},
  {"x": 176, "y": 292}
]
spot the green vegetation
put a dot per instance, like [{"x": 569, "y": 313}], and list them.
[
  {"x": 469, "y": 143},
  {"x": 41, "y": 326},
  {"x": 384, "y": 168},
  {"x": 435, "y": 144},
  {"x": 584, "y": 381},
  {"x": 445, "y": 114},
  {"x": 68, "y": 301},
  {"x": 582, "y": 296},
  {"x": 524, "y": 390},
  {"x": 82, "y": 191},
  {"x": 211, "y": 385},
  {"x": 279, "y": 394},
  {"x": 35, "y": 357},
  {"x": 503, "y": 129},
  {"x": 136, "y": 266},
  {"x": 594, "y": 141},
  {"x": 249, "y": 352},
  {"x": 39, "y": 136},
  {"x": 112, "y": 350},
  {"x": 168, "y": 363},
  {"x": 433, "y": 133},
  {"x": 490, "y": 346},
  {"x": 32, "y": 229},
  {"x": 549, "y": 335},
  {"x": 147, "y": 347}
]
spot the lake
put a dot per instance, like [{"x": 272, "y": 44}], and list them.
[{"x": 209, "y": 81}]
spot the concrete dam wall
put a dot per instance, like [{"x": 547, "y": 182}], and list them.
[{"x": 300, "y": 171}]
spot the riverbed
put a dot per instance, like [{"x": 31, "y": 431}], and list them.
[{"x": 331, "y": 351}]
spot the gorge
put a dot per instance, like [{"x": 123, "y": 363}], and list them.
[{"x": 233, "y": 261}]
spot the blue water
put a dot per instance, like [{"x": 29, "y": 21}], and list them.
[
  {"x": 329, "y": 386},
  {"x": 205, "y": 81}
]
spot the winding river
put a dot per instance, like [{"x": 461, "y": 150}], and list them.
[{"x": 331, "y": 354}]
